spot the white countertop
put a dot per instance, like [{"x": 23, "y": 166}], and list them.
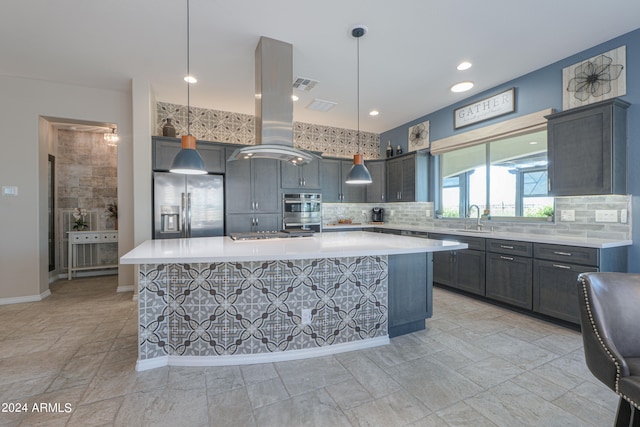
[
  {"x": 587, "y": 242},
  {"x": 321, "y": 245}
]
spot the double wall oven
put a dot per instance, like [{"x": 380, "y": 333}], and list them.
[{"x": 302, "y": 211}]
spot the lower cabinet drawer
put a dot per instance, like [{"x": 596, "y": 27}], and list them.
[
  {"x": 568, "y": 254},
  {"x": 510, "y": 279},
  {"x": 555, "y": 289}
]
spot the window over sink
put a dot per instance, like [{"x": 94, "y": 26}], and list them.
[{"x": 505, "y": 174}]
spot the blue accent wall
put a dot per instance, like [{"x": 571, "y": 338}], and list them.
[{"x": 542, "y": 89}]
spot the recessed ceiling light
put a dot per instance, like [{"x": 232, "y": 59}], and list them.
[
  {"x": 374, "y": 112},
  {"x": 464, "y": 66},
  {"x": 190, "y": 79},
  {"x": 461, "y": 87},
  {"x": 294, "y": 98}
]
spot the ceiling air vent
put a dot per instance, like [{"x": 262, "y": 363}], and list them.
[
  {"x": 321, "y": 105},
  {"x": 303, "y": 83}
]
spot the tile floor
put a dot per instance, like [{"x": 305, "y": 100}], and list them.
[{"x": 474, "y": 365}]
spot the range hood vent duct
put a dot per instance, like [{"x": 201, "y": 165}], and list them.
[{"x": 274, "y": 106}]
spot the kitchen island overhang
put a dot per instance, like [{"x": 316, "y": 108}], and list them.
[{"x": 214, "y": 301}]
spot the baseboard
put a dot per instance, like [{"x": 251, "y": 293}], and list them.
[
  {"x": 251, "y": 359},
  {"x": 28, "y": 298},
  {"x": 125, "y": 288}
]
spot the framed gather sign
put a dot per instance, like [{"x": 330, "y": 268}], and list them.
[{"x": 485, "y": 109}]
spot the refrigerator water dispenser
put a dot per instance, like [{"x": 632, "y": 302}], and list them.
[{"x": 170, "y": 217}]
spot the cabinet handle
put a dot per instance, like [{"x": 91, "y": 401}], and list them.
[
  {"x": 300, "y": 182},
  {"x": 304, "y": 182},
  {"x": 382, "y": 197},
  {"x": 506, "y": 247},
  {"x": 256, "y": 222},
  {"x": 566, "y": 267},
  {"x": 562, "y": 253},
  {"x": 257, "y": 205},
  {"x": 253, "y": 221},
  {"x": 508, "y": 258}
]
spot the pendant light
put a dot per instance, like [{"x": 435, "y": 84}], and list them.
[
  {"x": 359, "y": 174},
  {"x": 188, "y": 161}
]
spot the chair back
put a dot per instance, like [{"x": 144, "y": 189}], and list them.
[{"x": 610, "y": 320}]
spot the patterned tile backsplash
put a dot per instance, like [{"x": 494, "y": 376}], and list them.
[
  {"x": 236, "y": 128},
  {"x": 421, "y": 214},
  {"x": 230, "y": 308}
]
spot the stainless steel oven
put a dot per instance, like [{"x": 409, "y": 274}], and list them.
[{"x": 302, "y": 211}]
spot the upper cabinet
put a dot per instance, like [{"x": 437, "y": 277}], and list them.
[
  {"x": 407, "y": 178},
  {"x": 587, "y": 150},
  {"x": 252, "y": 186},
  {"x": 334, "y": 189},
  {"x": 165, "y": 149},
  {"x": 305, "y": 177},
  {"x": 376, "y": 191}
]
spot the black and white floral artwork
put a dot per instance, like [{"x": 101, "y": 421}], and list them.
[
  {"x": 595, "y": 79},
  {"x": 419, "y": 136}
]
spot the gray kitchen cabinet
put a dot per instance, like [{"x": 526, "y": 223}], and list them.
[
  {"x": 242, "y": 223},
  {"x": 407, "y": 178},
  {"x": 555, "y": 275},
  {"x": 334, "y": 189},
  {"x": 509, "y": 272},
  {"x": 164, "y": 149},
  {"x": 376, "y": 191},
  {"x": 410, "y": 291},
  {"x": 251, "y": 195},
  {"x": 510, "y": 280},
  {"x": 305, "y": 177},
  {"x": 463, "y": 269},
  {"x": 587, "y": 149}
]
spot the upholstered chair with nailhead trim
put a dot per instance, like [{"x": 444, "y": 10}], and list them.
[{"x": 610, "y": 319}]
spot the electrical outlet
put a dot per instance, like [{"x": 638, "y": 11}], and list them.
[
  {"x": 428, "y": 213},
  {"x": 607, "y": 215},
  {"x": 567, "y": 215},
  {"x": 305, "y": 318},
  {"x": 623, "y": 216},
  {"x": 9, "y": 191}
]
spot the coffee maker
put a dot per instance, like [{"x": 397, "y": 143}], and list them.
[{"x": 377, "y": 215}]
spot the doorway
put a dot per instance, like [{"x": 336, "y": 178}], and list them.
[{"x": 83, "y": 196}]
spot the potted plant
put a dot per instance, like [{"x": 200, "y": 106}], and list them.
[
  {"x": 548, "y": 212},
  {"x": 78, "y": 216},
  {"x": 112, "y": 212},
  {"x": 439, "y": 213}
]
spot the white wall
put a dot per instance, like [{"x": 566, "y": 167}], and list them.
[{"x": 24, "y": 147}]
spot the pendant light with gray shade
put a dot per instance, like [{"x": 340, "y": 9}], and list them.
[
  {"x": 359, "y": 174},
  {"x": 188, "y": 161}
]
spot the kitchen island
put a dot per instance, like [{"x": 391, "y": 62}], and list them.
[{"x": 216, "y": 301}]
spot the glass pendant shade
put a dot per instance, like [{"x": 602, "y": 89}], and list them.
[
  {"x": 188, "y": 161},
  {"x": 358, "y": 174}
]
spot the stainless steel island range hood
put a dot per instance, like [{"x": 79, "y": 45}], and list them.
[{"x": 274, "y": 106}]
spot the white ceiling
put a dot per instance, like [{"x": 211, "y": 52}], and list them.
[{"x": 408, "y": 58}]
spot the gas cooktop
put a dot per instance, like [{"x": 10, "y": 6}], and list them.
[{"x": 262, "y": 235}]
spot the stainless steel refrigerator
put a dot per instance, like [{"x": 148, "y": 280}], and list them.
[{"x": 187, "y": 205}]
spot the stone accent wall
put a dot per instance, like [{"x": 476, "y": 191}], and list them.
[
  {"x": 236, "y": 128},
  {"x": 421, "y": 214},
  {"x": 86, "y": 174}
]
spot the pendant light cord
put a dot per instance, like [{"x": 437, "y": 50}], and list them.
[
  {"x": 188, "y": 75},
  {"x": 358, "y": 89}
]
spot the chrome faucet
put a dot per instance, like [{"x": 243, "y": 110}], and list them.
[{"x": 478, "y": 225}]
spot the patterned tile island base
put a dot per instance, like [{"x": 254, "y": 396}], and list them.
[{"x": 222, "y": 313}]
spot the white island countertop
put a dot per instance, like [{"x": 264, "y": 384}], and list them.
[{"x": 321, "y": 245}]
